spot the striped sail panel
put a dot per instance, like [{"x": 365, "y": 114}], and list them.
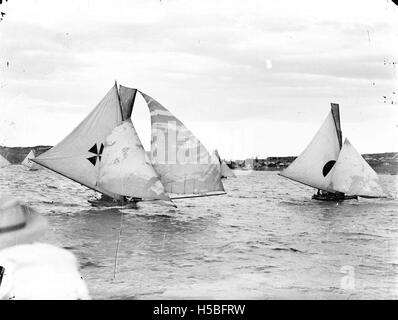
[
  {"x": 183, "y": 163},
  {"x": 353, "y": 175},
  {"x": 27, "y": 162},
  {"x": 123, "y": 168},
  {"x": 313, "y": 165},
  {"x": 78, "y": 155}
]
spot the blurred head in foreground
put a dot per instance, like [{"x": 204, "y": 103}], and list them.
[{"x": 32, "y": 270}]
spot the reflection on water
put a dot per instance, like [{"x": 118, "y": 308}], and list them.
[{"x": 265, "y": 239}]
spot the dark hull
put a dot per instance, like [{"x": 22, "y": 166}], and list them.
[
  {"x": 333, "y": 197},
  {"x": 109, "y": 204}
]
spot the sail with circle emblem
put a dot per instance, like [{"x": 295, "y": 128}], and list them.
[
  {"x": 313, "y": 165},
  {"x": 333, "y": 166}
]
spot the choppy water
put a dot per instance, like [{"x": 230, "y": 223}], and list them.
[{"x": 265, "y": 239}]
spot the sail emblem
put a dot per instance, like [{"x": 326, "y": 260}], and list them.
[
  {"x": 97, "y": 153},
  {"x": 327, "y": 167}
]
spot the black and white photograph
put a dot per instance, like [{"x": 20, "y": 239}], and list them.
[{"x": 172, "y": 150}]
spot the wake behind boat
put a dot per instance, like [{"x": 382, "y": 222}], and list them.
[
  {"x": 336, "y": 169},
  {"x": 104, "y": 153}
]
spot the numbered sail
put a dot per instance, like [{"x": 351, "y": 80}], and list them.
[
  {"x": 78, "y": 156},
  {"x": 27, "y": 162},
  {"x": 182, "y": 162},
  {"x": 226, "y": 172},
  {"x": 123, "y": 167},
  {"x": 314, "y": 164},
  {"x": 353, "y": 175},
  {"x": 3, "y": 161}
]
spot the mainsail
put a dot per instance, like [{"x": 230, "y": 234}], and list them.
[
  {"x": 182, "y": 162},
  {"x": 3, "y": 161},
  {"x": 313, "y": 166},
  {"x": 353, "y": 175},
  {"x": 123, "y": 168},
  {"x": 27, "y": 162},
  {"x": 78, "y": 156}
]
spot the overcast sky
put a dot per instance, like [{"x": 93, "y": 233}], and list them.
[{"x": 250, "y": 78}]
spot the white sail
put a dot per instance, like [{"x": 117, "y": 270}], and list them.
[
  {"x": 353, "y": 175},
  {"x": 3, "y": 161},
  {"x": 182, "y": 162},
  {"x": 27, "y": 162},
  {"x": 79, "y": 154},
  {"x": 123, "y": 168},
  {"x": 226, "y": 172},
  {"x": 313, "y": 165}
]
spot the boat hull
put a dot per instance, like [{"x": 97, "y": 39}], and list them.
[
  {"x": 333, "y": 197},
  {"x": 113, "y": 204}
]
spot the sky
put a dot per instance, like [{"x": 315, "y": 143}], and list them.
[{"x": 249, "y": 78}]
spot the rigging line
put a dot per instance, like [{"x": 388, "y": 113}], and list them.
[{"x": 117, "y": 246}]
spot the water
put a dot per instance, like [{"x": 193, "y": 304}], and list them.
[{"x": 265, "y": 239}]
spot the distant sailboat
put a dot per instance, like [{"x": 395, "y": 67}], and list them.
[
  {"x": 3, "y": 161},
  {"x": 226, "y": 172},
  {"x": 337, "y": 170},
  {"x": 28, "y": 163},
  {"x": 104, "y": 153}
]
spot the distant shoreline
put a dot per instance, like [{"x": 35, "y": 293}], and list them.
[{"x": 386, "y": 162}]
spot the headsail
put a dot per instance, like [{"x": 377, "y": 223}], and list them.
[
  {"x": 353, "y": 175},
  {"x": 3, "y": 161},
  {"x": 123, "y": 168},
  {"x": 183, "y": 163},
  {"x": 27, "y": 162},
  {"x": 78, "y": 156},
  {"x": 313, "y": 166}
]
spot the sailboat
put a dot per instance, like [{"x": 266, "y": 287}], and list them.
[
  {"x": 3, "y": 161},
  {"x": 226, "y": 172},
  {"x": 104, "y": 153},
  {"x": 336, "y": 169},
  {"x": 27, "y": 162}
]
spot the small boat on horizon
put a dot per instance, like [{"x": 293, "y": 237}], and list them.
[
  {"x": 104, "y": 153},
  {"x": 29, "y": 164},
  {"x": 334, "y": 168}
]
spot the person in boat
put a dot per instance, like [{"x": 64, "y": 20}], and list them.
[
  {"x": 32, "y": 270},
  {"x": 330, "y": 195},
  {"x": 124, "y": 199}
]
